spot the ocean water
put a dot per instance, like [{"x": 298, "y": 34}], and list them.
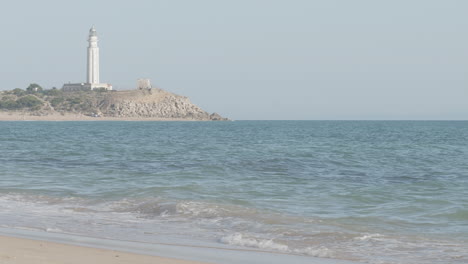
[{"x": 370, "y": 191}]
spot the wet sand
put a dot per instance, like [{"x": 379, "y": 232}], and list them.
[{"x": 27, "y": 251}]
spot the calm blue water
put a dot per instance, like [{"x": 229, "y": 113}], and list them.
[{"x": 373, "y": 191}]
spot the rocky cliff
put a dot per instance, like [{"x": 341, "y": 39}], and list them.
[
  {"x": 147, "y": 103},
  {"x": 154, "y": 103}
]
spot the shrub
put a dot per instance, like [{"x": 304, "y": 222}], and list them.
[
  {"x": 28, "y": 101},
  {"x": 57, "y": 101},
  {"x": 34, "y": 87},
  {"x": 75, "y": 100},
  {"x": 8, "y": 104},
  {"x": 52, "y": 92},
  {"x": 18, "y": 92}
]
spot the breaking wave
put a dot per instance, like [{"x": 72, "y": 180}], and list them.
[
  {"x": 161, "y": 220},
  {"x": 238, "y": 239}
]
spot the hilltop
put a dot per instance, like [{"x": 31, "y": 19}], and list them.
[{"x": 34, "y": 103}]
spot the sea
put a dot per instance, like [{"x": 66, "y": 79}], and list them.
[{"x": 380, "y": 192}]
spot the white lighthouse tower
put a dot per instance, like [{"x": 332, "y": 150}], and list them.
[
  {"x": 93, "y": 58},
  {"x": 92, "y": 71}
]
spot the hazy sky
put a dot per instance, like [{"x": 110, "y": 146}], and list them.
[{"x": 255, "y": 59}]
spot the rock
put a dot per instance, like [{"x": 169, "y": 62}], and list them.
[
  {"x": 217, "y": 117},
  {"x": 154, "y": 104},
  {"x": 157, "y": 104}
]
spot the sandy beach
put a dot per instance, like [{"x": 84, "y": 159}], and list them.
[
  {"x": 27, "y": 251},
  {"x": 19, "y": 116},
  {"x": 25, "y": 246}
]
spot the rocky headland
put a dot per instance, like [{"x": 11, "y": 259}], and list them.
[{"x": 145, "y": 104}]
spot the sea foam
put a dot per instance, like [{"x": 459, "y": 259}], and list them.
[{"x": 244, "y": 240}]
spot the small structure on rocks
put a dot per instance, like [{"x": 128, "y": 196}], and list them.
[{"x": 143, "y": 84}]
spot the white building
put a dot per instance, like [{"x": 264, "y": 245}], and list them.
[
  {"x": 143, "y": 84},
  {"x": 92, "y": 77}
]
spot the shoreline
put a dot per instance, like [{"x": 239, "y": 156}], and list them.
[
  {"x": 24, "y": 246},
  {"x": 24, "y": 251},
  {"x": 17, "y": 116}
]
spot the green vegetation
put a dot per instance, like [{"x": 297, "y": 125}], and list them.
[
  {"x": 35, "y": 98},
  {"x": 57, "y": 101},
  {"x": 27, "y": 101},
  {"x": 52, "y": 92},
  {"x": 34, "y": 87},
  {"x": 18, "y": 92}
]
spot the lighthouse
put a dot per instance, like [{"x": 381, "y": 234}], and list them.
[
  {"x": 92, "y": 69},
  {"x": 93, "y": 58}
]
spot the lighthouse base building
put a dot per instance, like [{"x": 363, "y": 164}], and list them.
[{"x": 92, "y": 80}]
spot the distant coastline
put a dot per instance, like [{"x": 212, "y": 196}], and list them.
[
  {"x": 26, "y": 116},
  {"x": 36, "y": 104}
]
